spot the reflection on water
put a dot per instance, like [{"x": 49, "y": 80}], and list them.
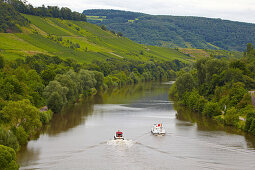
[
  {"x": 82, "y": 136},
  {"x": 210, "y": 127}
]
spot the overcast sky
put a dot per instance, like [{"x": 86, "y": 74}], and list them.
[{"x": 237, "y": 10}]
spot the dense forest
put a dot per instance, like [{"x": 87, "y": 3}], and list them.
[
  {"x": 174, "y": 31},
  {"x": 49, "y": 11},
  {"x": 10, "y": 19},
  {"x": 219, "y": 89}
]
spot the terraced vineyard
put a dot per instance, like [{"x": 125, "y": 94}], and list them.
[{"x": 78, "y": 40}]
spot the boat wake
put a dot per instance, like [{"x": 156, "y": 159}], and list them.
[{"x": 122, "y": 143}]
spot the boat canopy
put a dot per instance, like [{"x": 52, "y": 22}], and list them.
[{"x": 118, "y": 133}]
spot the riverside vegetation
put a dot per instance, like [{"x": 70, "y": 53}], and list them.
[
  {"x": 218, "y": 89},
  {"x": 53, "y": 62}
]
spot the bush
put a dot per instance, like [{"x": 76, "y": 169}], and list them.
[
  {"x": 8, "y": 158},
  {"x": 45, "y": 117},
  {"x": 185, "y": 83},
  {"x": 231, "y": 117},
  {"x": 252, "y": 127},
  {"x": 200, "y": 105},
  {"x": 22, "y": 113},
  {"x": 7, "y": 138},
  {"x": 249, "y": 119},
  {"x": 212, "y": 109},
  {"x": 21, "y": 135}
]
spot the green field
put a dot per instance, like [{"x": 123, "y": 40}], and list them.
[{"x": 81, "y": 41}]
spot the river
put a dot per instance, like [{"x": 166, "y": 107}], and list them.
[{"x": 81, "y": 136}]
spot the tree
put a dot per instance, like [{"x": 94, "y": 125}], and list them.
[
  {"x": 185, "y": 83},
  {"x": 55, "y": 102},
  {"x": 1, "y": 62},
  {"x": 212, "y": 109},
  {"x": 55, "y": 91},
  {"x": 8, "y": 158},
  {"x": 67, "y": 82},
  {"x": 201, "y": 70},
  {"x": 236, "y": 93},
  {"x": 231, "y": 117},
  {"x": 87, "y": 80},
  {"x": 249, "y": 48},
  {"x": 99, "y": 79},
  {"x": 21, "y": 113},
  {"x": 7, "y": 138},
  {"x": 47, "y": 76}
]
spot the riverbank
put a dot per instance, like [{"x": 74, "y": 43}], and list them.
[
  {"x": 219, "y": 89},
  {"x": 81, "y": 137}
]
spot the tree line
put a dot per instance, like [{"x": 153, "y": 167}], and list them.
[
  {"x": 10, "y": 19},
  {"x": 218, "y": 89},
  {"x": 49, "y": 11},
  {"x": 28, "y": 85}
]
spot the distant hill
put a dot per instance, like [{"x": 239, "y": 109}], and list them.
[{"x": 176, "y": 31}]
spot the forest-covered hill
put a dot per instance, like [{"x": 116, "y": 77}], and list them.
[{"x": 176, "y": 31}]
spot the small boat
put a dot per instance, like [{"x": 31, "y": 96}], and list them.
[
  {"x": 118, "y": 136},
  {"x": 158, "y": 129}
]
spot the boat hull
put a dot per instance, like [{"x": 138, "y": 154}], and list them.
[
  {"x": 158, "y": 133},
  {"x": 118, "y": 138}
]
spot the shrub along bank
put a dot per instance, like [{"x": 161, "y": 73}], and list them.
[{"x": 218, "y": 89}]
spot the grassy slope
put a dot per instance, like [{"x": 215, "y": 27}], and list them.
[{"x": 100, "y": 44}]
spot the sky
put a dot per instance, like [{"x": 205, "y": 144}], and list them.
[{"x": 235, "y": 10}]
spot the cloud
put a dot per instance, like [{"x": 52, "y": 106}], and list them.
[{"x": 237, "y": 10}]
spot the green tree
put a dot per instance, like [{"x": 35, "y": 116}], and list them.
[
  {"x": 47, "y": 76},
  {"x": 87, "y": 80},
  {"x": 55, "y": 102},
  {"x": 1, "y": 62},
  {"x": 7, "y": 138},
  {"x": 99, "y": 79},
  {"x": 55, "y": 95},
  {"x": 8, "y": 158},
  {"x": 185, "y": 83},
  {"x": 21, "y": 135},
  {"x": 21, "y": 113},
  {"x": 212, "y": 109},
  {"x": 231, "y": 117}
]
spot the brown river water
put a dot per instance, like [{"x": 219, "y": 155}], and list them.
[{"x": 82, "y": 136}]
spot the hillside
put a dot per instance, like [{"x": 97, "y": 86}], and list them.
[
  {"x": 78, "y": 40},
  {"x": 176, "y": 31}
]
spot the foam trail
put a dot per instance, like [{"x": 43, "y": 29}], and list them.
[{"x": 122, "y": 143}]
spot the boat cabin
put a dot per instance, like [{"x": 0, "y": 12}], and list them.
[{"x": 119, "y": 134}]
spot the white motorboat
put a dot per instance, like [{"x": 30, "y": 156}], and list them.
[
  {"x": 158, "y": 129},
  {"x": 118, "y": 136}
]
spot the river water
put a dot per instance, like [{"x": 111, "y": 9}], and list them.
[{"x": 81, "y": 137}]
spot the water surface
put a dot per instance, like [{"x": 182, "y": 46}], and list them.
[{"x": 81, "y": 137}]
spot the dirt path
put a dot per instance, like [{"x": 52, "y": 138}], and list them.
[
  {"x": 252, "y": 97},
  {"x": 116, "y": 55}
]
